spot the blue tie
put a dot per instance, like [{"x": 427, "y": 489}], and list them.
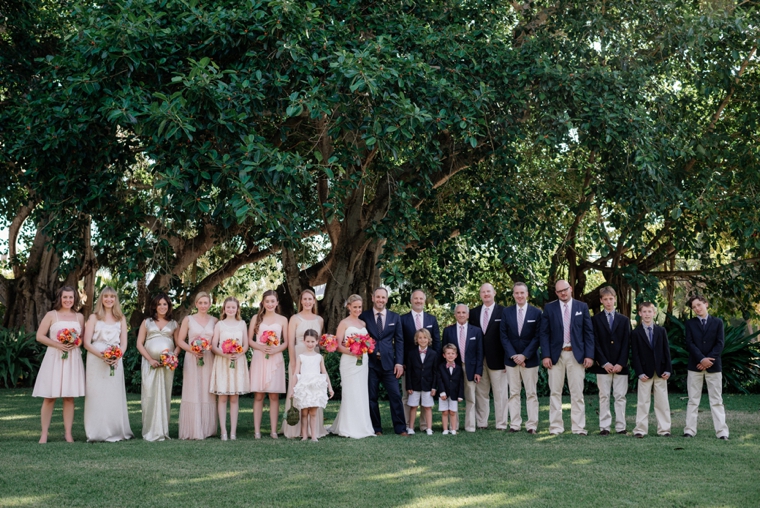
[
  {"x": 649, "y": 332},
  {"x": 703, "y": 322},
  {"x": 609, "y": 320},
  {"x": 379, "y": 323}
]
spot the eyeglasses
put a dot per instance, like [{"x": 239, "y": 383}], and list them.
[{"x": 558, "y": 291}]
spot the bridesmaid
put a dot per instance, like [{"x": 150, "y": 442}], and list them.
[
  {"x": 105, "y": 406},
  {"x": 197, "y": 413},
  {"x": 307, "y": 318},
  {"x": 267, "y": 374},
  {"x": 59, "y": 377},
  {"x": 157, "y": 334},
  {"x": 230, "y": 382}
]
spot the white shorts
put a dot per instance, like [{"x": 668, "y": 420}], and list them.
[
  {"x": 447, "y": 405},
  {"x": 414, "y": 399}
]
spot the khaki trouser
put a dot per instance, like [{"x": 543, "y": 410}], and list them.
[
  {"x": 567, "y": 364},
  {"x": 529, "y": 378},
  {"x": 618, "y": 383},
  {"x": 469, "y": 399},
  {"x": 661, "y": 405},
  {"x": 714, "y": 382},
  {"x": 496, "y": 380}
]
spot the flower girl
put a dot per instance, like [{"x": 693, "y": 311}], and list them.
[{"x": 312, "y": 385}]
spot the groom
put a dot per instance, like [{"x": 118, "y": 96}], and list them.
[{"x": 386, "y": 364}]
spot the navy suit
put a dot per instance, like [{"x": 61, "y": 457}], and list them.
[
  {"x": 582, "y": 344},
  {"x": 649, "y": 359},
  {"x": 525, "y": 343},
  {"x": 420, "y": 376},
  {"x": 452, "y": 384},
  {"x": 409, "y": 328},
  {"x": 611, "y": 346},
  {"x": 473, "y": 353},
  {"x": 390, "y": 348},
  {"x": 581, "y": 331},
  {"x": 705, "y": 342}
]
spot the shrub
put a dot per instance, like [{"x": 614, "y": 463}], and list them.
[{"x": 20, "y": 358}]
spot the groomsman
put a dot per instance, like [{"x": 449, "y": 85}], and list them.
[
  {"x": 411, "y": 322},
  {"x": 488, "y": 318},
  {"x": 704, "y": 341},
  {"x": 567, "y": 346},
  {"x": 469, "y": 342},
  {"x": 612, "y": 334},
  {"x": 520, "y": 326},
  {"x": 386, "y": 364}
]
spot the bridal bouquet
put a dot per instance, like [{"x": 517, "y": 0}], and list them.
[
  {"x": 68, "y": 336},
  {"x": 359, "y": 344},
  {"x": 112, "y": 353},
  {"x": 231, "y": 346},
  {"x": 329, "y": 343},
  {"x": 169, "y": 359},
  {"x": 269, "y": 338},
  {"x": 198, "y": 346}
]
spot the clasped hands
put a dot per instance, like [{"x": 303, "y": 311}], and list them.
[{"x": 706, "y": 363}]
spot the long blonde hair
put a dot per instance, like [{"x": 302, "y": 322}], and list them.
[
  {"x": 224, "y": 313},
  {"x": 300, "y": 297},
  {"x": 100, "y": 310},
  {"x": 262, "y": 310}
]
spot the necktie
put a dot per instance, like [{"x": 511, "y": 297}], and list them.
[
  {"x": 417, "y": 321},
  {"x": 461, "y": 342},
  {"x": 649, "y": 332},
  {"x": 609, "y": 320},
  {"x": 566, "y": 324},
  {"x": 520, "y": 318},
  {"x": 703, "y": 322},
  {"x": 484, "y": 323}
]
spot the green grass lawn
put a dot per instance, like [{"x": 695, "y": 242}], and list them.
[{"x": 488, "y": 468}]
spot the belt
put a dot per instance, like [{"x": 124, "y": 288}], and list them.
[{"x": 568, "y": 348}]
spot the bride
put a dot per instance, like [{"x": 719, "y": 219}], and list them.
[{"x": 353, "y": 418}]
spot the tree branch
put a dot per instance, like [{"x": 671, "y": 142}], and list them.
[
  {"x": 672, "y": 274},
  {"x": 18, "y": 221}
]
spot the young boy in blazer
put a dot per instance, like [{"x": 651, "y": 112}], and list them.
[
  {"x": 421, "y": 365},
  {"x": 704, "y": 341},
  {"x": 612, "y": 333},
  {"x": 650, "y": 355},
  {"x": 450, "y": 385}
]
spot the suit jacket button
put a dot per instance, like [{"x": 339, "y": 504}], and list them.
[{"x": 612, "y": 342}]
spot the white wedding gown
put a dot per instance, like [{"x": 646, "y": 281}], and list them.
[{"x": 353, "y": 418}]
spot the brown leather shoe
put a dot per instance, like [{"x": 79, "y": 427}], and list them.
[
  {"x": 403, "y": 434},
  {"x": 513, "y": 431},
  {"x": 531, "y": 431},
  {"x": 378, "y": 433}
]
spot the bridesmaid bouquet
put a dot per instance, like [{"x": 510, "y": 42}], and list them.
[
  {"x": 231, "y": 346},
  {"x": 68, "y": 336},
  {"x": 329, "y": 343},
  {"x": 269, "y": 338},
  {"x": 199, "y": 346},
  {"x": 112, "y": 353},
  {"x": 359, "y": 344},
  {"x": 169, "y": 359}
]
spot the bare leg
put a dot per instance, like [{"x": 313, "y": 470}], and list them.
[
  {"x": 234, "y": 409},
  {"x": 274, "y": 412},
  {"x": 258, "y": 409},
  {"x": 46, "y": 413},
  {"x": 427, "y": 415},
  {"x": 68, "y": 418},
  {"x": 412, "y": 416},
  {"x": 454, "y": 420},
  {"x": 313, "y": 423},
  {"x": 304, "y": 424},
  {"x": 221, "y": 410},
  {"x": 445, "y": 420}
]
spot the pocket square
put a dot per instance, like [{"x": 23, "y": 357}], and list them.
[
  {"x": 497, "y": 320},
  {"x": 471, "y": 338},
  {"x": 429, "y": 326},
  {"x": 578, "y": 313},
  {"x": 391, "y": 324},
  {"x": 531, "y": 321}
]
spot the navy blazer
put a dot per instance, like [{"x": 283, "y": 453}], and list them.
[
  {"x": 473, "y": 352},
  {"x": 610, "y": 345},
  {"x": 420, "y": 376},
  {"x": 581, "y": 331},
  {"x": 493, "y": 351},
  {"x": 450, "y": 384},
  {"x": 526, "y": 343},
  {"x": 390, "y": 343},
  {"x": 704, "y": 343},
  {"x": 648, "y": 359},
  {"x": 409, "y": 328}
]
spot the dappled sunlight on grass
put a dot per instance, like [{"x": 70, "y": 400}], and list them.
[
  {"x": 230, "y": 475},
  {"x": 25, "y": 500},
  {"x": 18, "y": 417},
  {"x": 499, "y": 499},
  {"x": 402, "y": 474}
]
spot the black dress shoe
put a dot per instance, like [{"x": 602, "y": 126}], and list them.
[
  {"x": 531, "y": 431},
  {"x": 513, "y": 431},
  {"x": 604, "y": 432},
  {"x": 686, "y": 434},
  {"x": 667, "y": 434},
  {"x": 639, "y": 436},
  {"x": 724, "y": 438},
  {"x": 623, "y": 432}
]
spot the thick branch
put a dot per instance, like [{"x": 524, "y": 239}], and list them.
[
  {"x": 672, "y": 274},
  {"x": 18, "y": 221}
]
